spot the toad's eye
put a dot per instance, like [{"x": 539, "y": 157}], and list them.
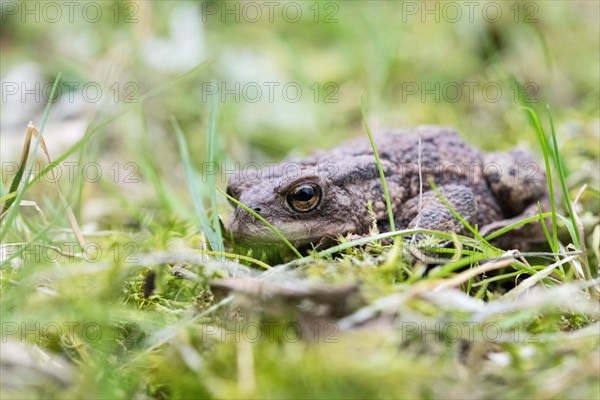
[{"x": 305, "y": 197}]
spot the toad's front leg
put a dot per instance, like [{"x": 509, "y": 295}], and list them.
[{"x": 429, "y": 212}]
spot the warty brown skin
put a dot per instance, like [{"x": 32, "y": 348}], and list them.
[{"x": 489, "y": 190}]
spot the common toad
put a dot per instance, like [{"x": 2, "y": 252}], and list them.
[{"x": 338, "y": 192}]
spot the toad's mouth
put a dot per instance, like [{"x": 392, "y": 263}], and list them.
[{"x": 301, "y": 234}]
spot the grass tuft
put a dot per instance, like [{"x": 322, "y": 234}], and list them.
[{"x": 12, "y": 212}]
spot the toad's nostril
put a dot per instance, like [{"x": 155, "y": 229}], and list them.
[{"x": 257, "y": 209}]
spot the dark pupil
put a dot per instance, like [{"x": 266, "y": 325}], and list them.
[{"x": 304, "y": 194}]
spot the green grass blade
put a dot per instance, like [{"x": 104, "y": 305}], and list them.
[
  {"x": 561, "y": 173},
  {"x": 516, "y": 224},
  {"x": 379, "y": 167},
  {"x": 22, "y": 164},
  {"x": 8, "y": 200},
  {"x": 194, "y": 188},
  {"x": 9, "y": 196},
  {"x": 236, "y": 257},
  {"x": 545, "y": 228},
  {"x": 535, "y": 122},
  {"x": 572, "y": 228},
  {"x": 212, "y": 118},
  {"x": 264, "y": 221}
]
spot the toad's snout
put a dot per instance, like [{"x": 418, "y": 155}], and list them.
[{"x": 243, "y": 224}]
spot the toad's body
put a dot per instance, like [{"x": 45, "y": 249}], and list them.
[{"x": 327, "y": 194}]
